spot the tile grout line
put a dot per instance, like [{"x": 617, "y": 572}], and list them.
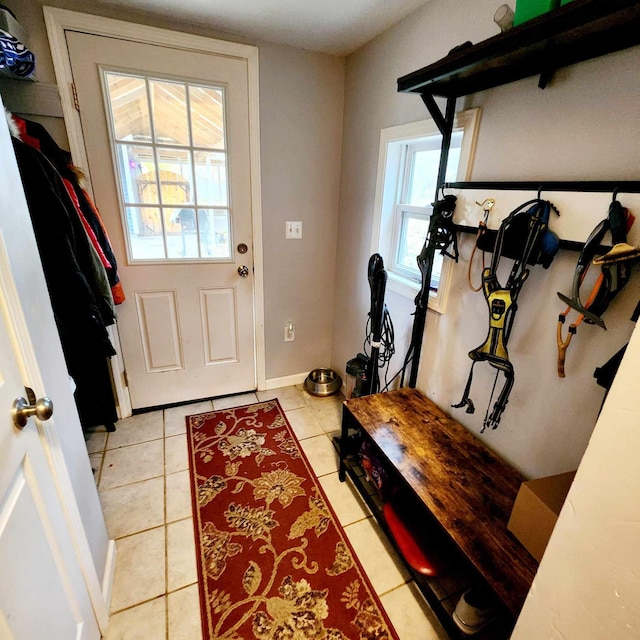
[
  {"x": 98, "y": 472},
  {"x": 392, "y": 589},
  {"x": 135, "y": 533},
  {"x": 133, "y": 444},
  {"x": 104, "y": 453},
  {"x": 129, "y": 484},
  {"x": 137, "y": 604}
]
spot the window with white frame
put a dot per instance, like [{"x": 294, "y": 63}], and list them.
[{"x": 407, "y": 175}]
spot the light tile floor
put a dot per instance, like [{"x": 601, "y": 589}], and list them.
[{"x": 143, "y": 480}]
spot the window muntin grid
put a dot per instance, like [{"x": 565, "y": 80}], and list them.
[{"x": 169, "y": 143}]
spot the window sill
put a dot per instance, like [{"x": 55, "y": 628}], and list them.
[
  {"x": 403, "y": 286},
  {"x": 409, "y": 289}
]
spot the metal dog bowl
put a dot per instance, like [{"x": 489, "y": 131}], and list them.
[{"x": 323, "y": 382}]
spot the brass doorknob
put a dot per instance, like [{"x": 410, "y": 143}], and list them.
[
  {"x": 243, "y": 271},
  {"x": 22, "y": 410}
]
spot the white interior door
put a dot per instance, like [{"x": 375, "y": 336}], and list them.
[
  {"x": 167, "y": 139},
  {"x": 42, "y": 590}
]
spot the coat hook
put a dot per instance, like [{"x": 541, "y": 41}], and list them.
[
  {"x": 539, "y": 191},
  {"x": 615, "y": 195},
  {"x": 487, "y": 204}
]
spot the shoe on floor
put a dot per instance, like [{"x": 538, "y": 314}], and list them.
[{"x": 474, "y": 611}]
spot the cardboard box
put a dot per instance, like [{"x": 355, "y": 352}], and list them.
[{"x": 536, "y": 510}]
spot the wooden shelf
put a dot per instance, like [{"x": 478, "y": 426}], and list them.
[
  {"x": 577, "y": 31},
  {"x": 467, "y": 488},
  {"x": 441, "y": 592}
]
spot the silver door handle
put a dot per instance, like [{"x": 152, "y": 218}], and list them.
[
  {"x": 22, "y": 410},
  {"x": 243, "y": 271}
]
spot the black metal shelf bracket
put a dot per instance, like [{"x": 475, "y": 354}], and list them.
[{"x": 445, "y": 125}]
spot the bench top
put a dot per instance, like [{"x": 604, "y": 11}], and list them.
[{"x": 466, "y": 486}]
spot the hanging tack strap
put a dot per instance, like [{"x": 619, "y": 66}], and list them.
[
  {"x": 532, "y": 219},
  {"x": 563, "y": 344},
  {"x": 486, "y": 205}
]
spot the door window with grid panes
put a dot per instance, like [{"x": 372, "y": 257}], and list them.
[{"x": 168, "y": 141}]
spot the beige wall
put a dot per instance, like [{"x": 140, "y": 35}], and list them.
[
  {"x": 301, "y": 105},
  {"x": 583, "y": 126}
]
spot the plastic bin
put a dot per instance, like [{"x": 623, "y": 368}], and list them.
[{"x": 529, "y": 9}]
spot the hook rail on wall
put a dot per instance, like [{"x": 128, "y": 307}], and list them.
[
  {"x": 591, "y": 186},
  {"x": 585, "y": 186}
]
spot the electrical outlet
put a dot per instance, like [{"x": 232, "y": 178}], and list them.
[
  {"x": 289, "y": 332},
  {"x": 293, "y": 230}
]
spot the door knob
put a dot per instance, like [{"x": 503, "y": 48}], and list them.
[
  {"x": 243, "y": 271},
  {"x": 22, "y": 410}
]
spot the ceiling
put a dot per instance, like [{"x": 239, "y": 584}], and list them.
[{"x": 338, "y": 27}]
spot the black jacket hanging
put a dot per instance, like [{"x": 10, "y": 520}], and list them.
[{"x": 80, "y": 313}]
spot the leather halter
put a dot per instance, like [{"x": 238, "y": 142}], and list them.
[{"x": 502, "y": 302}]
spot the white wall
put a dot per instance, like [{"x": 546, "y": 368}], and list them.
[
  {"x": 588, "y": 585},
  {"x": 583, "y": 126}
]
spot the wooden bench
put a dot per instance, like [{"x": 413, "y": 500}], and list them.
[{"x": 468, "y": 489}]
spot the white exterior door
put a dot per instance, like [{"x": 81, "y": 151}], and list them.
[
  {"x": 43, "y": 593},
  {"x": 167, "y": 139}
]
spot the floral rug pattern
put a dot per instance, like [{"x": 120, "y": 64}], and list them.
[{"x": 273, "y": 562}]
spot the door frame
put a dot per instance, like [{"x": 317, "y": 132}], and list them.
[{"x": 60, "y": 20}]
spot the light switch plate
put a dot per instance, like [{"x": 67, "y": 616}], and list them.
[{"x": 293, "y": 229}]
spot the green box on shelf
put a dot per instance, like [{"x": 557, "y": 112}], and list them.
[{"x": 528, "y": 9}]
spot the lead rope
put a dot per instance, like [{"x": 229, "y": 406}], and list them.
[
  {"x": 473, "y": 253},
  {"x": 490, "y": 405},
  {"x": 486, "y": 205}
]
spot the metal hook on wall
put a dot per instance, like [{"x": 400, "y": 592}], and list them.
[
  {"x": 614, "y": 197},
  {"x": 443, "y": 186},
  {"x": 487, "y": 204}
]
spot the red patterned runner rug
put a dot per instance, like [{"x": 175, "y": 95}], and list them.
[{"x": 273, "y": 561}]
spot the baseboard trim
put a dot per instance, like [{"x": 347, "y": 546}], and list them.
[
  {"x": 109, "y": 573},
  {"x": 286, "y": 381}
]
